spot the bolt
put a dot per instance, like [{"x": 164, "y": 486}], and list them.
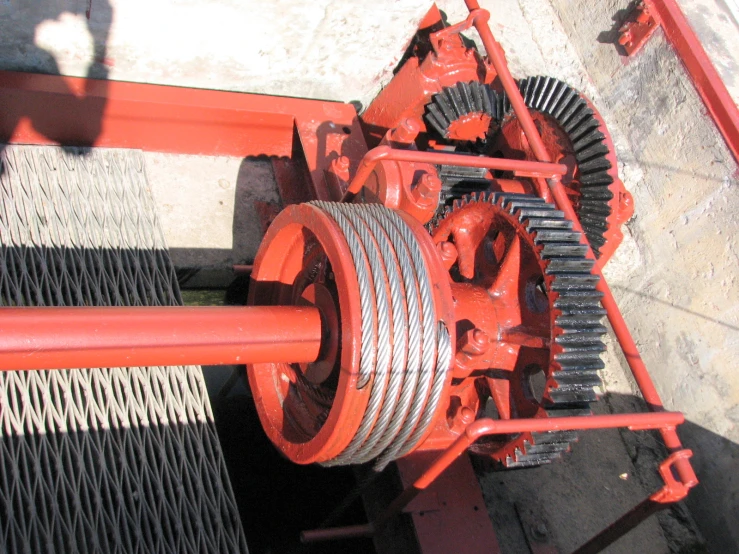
[
  {"x": 340, "y": 167},
  {"x": 540, "y": 532},
  {"x": 407, "y": 131},
  {"x": 475, "y": 342},
  {"x": 448, "y": 253},
  {"x": 342, "y": 163},
  {"x": 465, "y": 415},
  {"x": 428, "y": 186}
]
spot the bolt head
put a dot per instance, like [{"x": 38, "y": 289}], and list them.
[
  {"x": 428, "y": 185},
  {"x": 475, "y": 342},
  {"x": 342, "y": 162},
  {"x": 407, "y": 131},
  {"x": 448, "y": 252}
]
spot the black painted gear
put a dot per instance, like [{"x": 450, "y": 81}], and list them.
[
  {"x": 453, "y": 103},
  {"x": 575, "y": 318},
  {"x": 570, "y": 110}
]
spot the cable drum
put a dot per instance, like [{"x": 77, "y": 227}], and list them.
[{"x": 406, "y": 353}]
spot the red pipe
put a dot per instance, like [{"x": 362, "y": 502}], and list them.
[
  {"x": 62, "y": 338},
  {"x": 496, "y": 55},
  {"x": 520, "y": 168}
]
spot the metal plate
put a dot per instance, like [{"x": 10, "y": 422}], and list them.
[{"x": 113, "y": 460}]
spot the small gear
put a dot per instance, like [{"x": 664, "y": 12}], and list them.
[
  {"x": 556, "y": 295},
  {"x": 464, "y": 112}
]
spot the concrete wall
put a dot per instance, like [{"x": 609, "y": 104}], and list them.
[
  {"x": 675, "y": 277},
  {"x": 330, "y": 49}
]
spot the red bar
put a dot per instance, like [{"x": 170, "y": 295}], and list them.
[
  {"x": 63, "y": 338},
  {"x": 706, "y": 79},
  {"x": 496, "y": 56},
  {"x": 520, "y": 168},
  {"x": 485, "y": 427},
  {"x": 51, "y": 109}
]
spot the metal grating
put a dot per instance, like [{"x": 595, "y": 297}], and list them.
[{"x": 111, "y": 460}]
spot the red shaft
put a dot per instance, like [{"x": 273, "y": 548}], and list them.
[
  {"x": 63, "y": 338},
  {"x": 520, "y": 168}
]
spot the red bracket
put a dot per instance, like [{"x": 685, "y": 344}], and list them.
[
  {"x": 636, "y": 30},
  {"x": 675, "y": 489}
]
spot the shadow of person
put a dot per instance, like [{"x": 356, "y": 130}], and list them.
[{"x": 75, "y": 118}]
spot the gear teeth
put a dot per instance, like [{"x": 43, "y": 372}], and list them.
[
  {"x": 555, "y": 436},
  {"x": 531, "y": 460},
  {"x": 561, "y": 396},
  {"x": 589, "y": 134},
  {"x": 536, "y": 224},
  {"x": 571, "y": 111},
  {"x": 556, "y": 250},
  {"x": 459, "y": 100},
  {"x": 578, "y": 331},
  {"x": 546, "y": 448},
  {"x": 596, "y": 195},
  {"x": 570, "y": 283}
]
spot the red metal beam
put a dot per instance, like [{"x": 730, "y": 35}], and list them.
[
  {"x": 706, "y": 79},
  {"x": 51, "y": 109},
  {"x": 61, "y": 338}
]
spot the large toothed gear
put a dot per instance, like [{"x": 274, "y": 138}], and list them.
[
  {"x": 525, "y": 254},
  {"x": 572, "y": 130},
  {"x": 570, "y": 126}
]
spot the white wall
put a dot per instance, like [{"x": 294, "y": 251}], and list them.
[{"x": 328, "y": 49}]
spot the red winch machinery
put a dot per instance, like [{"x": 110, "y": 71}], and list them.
[{"x": 432, "y": 285}]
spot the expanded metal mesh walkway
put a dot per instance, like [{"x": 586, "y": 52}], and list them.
[{"x": 111, "y": 460}]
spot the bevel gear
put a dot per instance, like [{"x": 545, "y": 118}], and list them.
[{"x": 576, "y": 130}]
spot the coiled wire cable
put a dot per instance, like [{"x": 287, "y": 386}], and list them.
[{"x": 407, "y": 374}]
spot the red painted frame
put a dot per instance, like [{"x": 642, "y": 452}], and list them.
[
  {"x": 675, "y": 488},
  {"x": 51, "y": 109},
  {"x": 190, "y": 121}
]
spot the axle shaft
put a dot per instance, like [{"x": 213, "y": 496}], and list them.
[{"x": 63, "y": 338}]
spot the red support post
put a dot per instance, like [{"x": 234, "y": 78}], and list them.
[{"x": 63, "y": 338}]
